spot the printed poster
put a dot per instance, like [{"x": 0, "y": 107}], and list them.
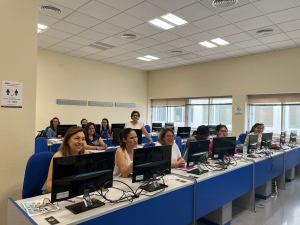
[
  {"x": 238, "y": 109},
  {"x": 12, "y": 94}
]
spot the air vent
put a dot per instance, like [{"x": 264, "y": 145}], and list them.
[
  {"x": 264, "y": 32},
  {"x": 97, "y": 47},
  {"x": 176, "y": 52},
  {"x": 101, "y": 46},
  {"x": 129, "y": 36},
  {"x": 224, "y": 3},
  {"x": 104, "y": 45},
  {"x": 50, "y": 10}
]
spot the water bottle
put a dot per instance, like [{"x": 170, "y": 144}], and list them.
[{"x": 245, "y": 151}]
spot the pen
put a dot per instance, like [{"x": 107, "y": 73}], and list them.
[{"x": 68, "y": 200}]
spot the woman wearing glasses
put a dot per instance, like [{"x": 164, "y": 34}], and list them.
[
  {"x": 93, "y": 140},
  {"x": 166, "y": 137},
  {"x": 135, "y": 124}
]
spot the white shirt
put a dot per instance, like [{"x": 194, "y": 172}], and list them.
[
  {"x": 175, "y": 152},
  {"x": 117, "y": 172},
  {"x": 138, "y": 126}
]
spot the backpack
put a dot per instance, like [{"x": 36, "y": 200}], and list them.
[{"x": 41, "y": 133}]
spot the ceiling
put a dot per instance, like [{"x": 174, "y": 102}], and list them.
[{"x": 85, "y": 22}]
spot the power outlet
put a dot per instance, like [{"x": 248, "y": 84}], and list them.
[
  {"x": 101, "y": 104},
  {"x": 71, "y": 102},
  {"x": 125, "y": 105}
]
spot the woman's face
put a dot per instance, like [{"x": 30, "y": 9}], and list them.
[
  {"x": 223, "y": 132},
  {"x": 132, "y": 140},
  {"x": 169, "y": 138},
  {"x": 104, "y": 123},
  {"x": 257, "y": 129},
  {"x": 135, "y": 117},
  {"x": 84, "y": 122},
  {"x": 91, "y": 130},
  {"x": 76, "y": 142},
  {"x": 55, "y": 122},
  {"x": 262, "y": 128}
]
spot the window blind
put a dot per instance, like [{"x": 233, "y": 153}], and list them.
[
  {"x": 168, "y": 102},
  {"x": 274, "y": 99}
]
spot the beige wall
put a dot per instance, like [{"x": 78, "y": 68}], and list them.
[
  {"x": 272, "y": 72},
  {"x": 17, "y": 63},
  {"x": 65, "y": 77}
]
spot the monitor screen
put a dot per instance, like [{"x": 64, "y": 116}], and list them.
[
  {"x": 196, "y": 151},
  {"x": 282, "y": 137},
  {"x": 212, "y": 129},
  {"x": 74, "y": 174},
  {"x": 224, "y": 146},
  {"x": 266, "y": 140},
  {"x": 150, "y": 161},
  {"x": 97, "y": 128},
  {"x": 117, "y": 125},
  {"x": 116, "y": 136},
  {"x": 253, "y": 139},
  {"x": 293, "y": 136},
  {"x": 62, "y": 129},
  {"x": 169, "y": 125},
  {"x": 139, "y": 134},
  {"x": 156, "y": 127},
  {"x": 184, "y": 132}
]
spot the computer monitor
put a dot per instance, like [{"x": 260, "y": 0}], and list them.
[
  {"x": 97, "y": 128},
  {"x": 252, "y": 144},
  {"x": 62, "y": 129},
  {"x": 223, "y": 146},
  {"x": 293, "y": 136},
  {"x": 151, "y": 162},
  {"x": 282, "y": 138},
  {"x": 169, "y": 125},
  {"x": 196, "y": 151},
  {"x": 212, "y": 129},
  {"x": 83, "y": 125},
  {"x": 139, "y": 134},
  {"x": 156, "y": 127},
  {"x": 116, "y": 136},
  {"x": 184, "y": 132},
  {"x": 266, "y": 140},
  {"x": 117, "y": 125},
  {"x": 80, "y": 174}
]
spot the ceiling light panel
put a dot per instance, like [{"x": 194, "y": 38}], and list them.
[
  {"x": 151, "y": 57},
  {"x": 145, "y": 59},
  {"x": 174, "y": 19},
  {"x": 161, "y": 24},
  {"x": 41, "y": 26},
  {"x": 220, "y": 41},
  {"x": 208, "y": 44}
]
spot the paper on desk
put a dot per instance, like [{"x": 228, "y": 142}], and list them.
[
  {"x": 39, "y": 206},
  {"x": 171, "y": 177}
]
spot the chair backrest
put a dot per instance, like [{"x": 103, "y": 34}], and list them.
[
  {"x": 41, "y": 145},
  {"x": 55, "y": 147},
  {"x": 247, "y": 132},
  {"x": 237, "y": 142},
  {"x": 110, "y": 150},
  {"x": 147, "y": 145},
  {"x": 47, "y": 128},
  {"x": 242, "y": 138},
  {"x": 36, "y": 174},
  {"x": 148, "y": 128},
  {"x": 179, "y": 143}
]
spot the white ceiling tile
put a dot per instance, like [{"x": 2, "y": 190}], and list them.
[
  {"x": 114, "y": 41},
  {"x": 132, "y": 46},
  {"x": 211, "y": 22},
  {"x": 68, "y": 44},
  {"x": 133, "y": 54},
  {"x": 58, "y": 49},
  {"x": 225, "y": 31},
  {"x": 237, "y": 38},
  {"x": 254, "y": 23},
  {"x": 206, "y": 52},
  {"x": 146, "y": 29},
  {"x": 43, "y": 45},
  {"x": 65, "y": 11},
  {"x": 80, "y": 40},
  {"x": 78, "y": 53},
  {"x": 185, "y": 30},
  {"x": 162, "y": 55},
  {"x": 290, "y": 26},
  {"x": 162, "y": 47},
  {"x": 82, "y": 20},
  {"x": 110, "y": 60},
  {"x": 294, "y": 34},
  {"x": 171, "y": 52},
  {"x": 125, "y": 63},
  {"x": 225, "y": 48},
  {"x": 95, "y": 57},
  {"x": 241, "y": 13},
  {"x": 275, "y": 29},
  {"x": 181, "y": 42},
  {"x": 173, "y": 59},
  {"x": 122, "y": 57},
  {"x": 107, "y": 28},
  {"x": 236, "y": 53},
  {"x": 283, "y": 45},
  {"x": 200, "y": 37},
  {"x": 165, "y": 36},
  {"x": 133, "y": 61},
  {"x": 297, "y": 41},
  {"x": 107, "y": 54},
  {"x": 218, "y": 10},
  {"x": 124, "y": 20},
  {"x": 275, "y": 5},
  {"x": 146, "y": 11},
  {"x": 147, "y": 42},
  {"x": 194, "y": 48},
  {"x": 171, "y": 5},
  {"x": 258, "y": 49},
  {"x": 68, "y": 27},
  {"x": 98, "y": 10},
  {"x": 47, "y": 20},
  {"x": 199, "y": 59},
  {"x": 193, "y": 12},
  {"x": 70, "y": 3},
  {"x": 247, "y": 44},
  {"x": 139, "y": 36},
  {"x": 119, "y": 50},
  {"x": 121, "y": 4},
  {"x": 89, "y": 49},
  {"x": 274, "y": 38},
  {"x": 47, "y": 39},
  {"x": 189, "y": 56},
  {"x": 147, "y": 51},
  {"x": 93, "y": 35},
  {"x": 57, "y": 34},
  {"x": 285, "y": 15},
  {"x": 218, "y": 56}
]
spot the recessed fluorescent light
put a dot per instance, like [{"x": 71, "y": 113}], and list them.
[
  {"x": 145, "y": 59},
  {"x": 220, "y": 41},
  {"x": 174, "y": 19},
  {"x": 39, "y": 30},
  {"x": 161, "y": 24},
  {"x": 41, "y": 26},
  {"x": 207, "y": 44},
  {"x": 151, "y": 57}
]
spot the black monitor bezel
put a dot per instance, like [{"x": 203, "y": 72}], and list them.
[
  {"x": 222, "y": 152},
  {"x": 251, "y": 138},
  {"x": 64, "y": 125},
  {"x": 184, "y": 134},
  {"x": 263, "y": 137},
  {"x": 293, "y": 139},
  {"x": 193, "y": 146},
  {"x": 139, "y": 134},
  {"x": 157, "y": 127},
  {"x": 282, "y": 137},
  {"x": 172, "y": 126},
  {"x": 117, "y": 126},
  {"x": 116, "y": 136}
]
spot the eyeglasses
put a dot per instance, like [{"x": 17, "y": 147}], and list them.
[
  {"x": 170, "y": 136},
  {"x": 135, "y": 115},
  {"x": 224, "y": 131}
]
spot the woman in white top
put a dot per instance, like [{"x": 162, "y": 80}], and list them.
[
  {"x": 135, "y": 124},
  {"x": 124, "y": 154},
  {"x": 166, "y": 137}
]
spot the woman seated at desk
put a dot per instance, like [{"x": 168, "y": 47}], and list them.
[
  {"x": 93, "y": 140},
  {"x": 124, "y": 154},
  {"x": 135, "y": 124},
  {"x": 201, "y": 134},
  {"x": 73, "y": 144},
  {"x": 51, "y": 132},
  {"x": 83, "y": 122},
  {"x": 166, "y": 137},
  {"x": 262, "y": 128},
  {"x": 256, "y": 129},
  {"x": 105, "y": 129}
]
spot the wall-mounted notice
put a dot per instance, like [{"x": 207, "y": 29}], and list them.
[
  {"x": 238, "y": 109},
  {"x": 12, "y": 94}
]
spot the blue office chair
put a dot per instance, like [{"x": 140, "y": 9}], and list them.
[
  {"x": 47, "y": 128},
  {"x": 41, "y": 145},
  {"x": 36, "y": 173},
  {"x": 147, "y": 145},
  {"x": 179, "y": 143},
  {"x": 242, "y": 138},
  {"x": 247, "y": 132},
  {"x": 148, "y": 128},
  {"x": 237, "y": 142},
  {"x": 55, "y": 148},
  {"x": 110, "y": 150}
]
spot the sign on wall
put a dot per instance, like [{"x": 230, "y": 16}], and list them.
[
  {"x": 12, "y": 94},
  {"x": 238, "y": 109}
]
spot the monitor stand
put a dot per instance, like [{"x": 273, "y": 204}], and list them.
[
  {"x": 154, "y": 186},
  {"x": 198, "y": 170}
]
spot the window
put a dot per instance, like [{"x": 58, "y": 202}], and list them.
[
  {"x": 291, "y": 117},
  {"x": 164, "y": 114},
  {"x": 159, "y": 115}
]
